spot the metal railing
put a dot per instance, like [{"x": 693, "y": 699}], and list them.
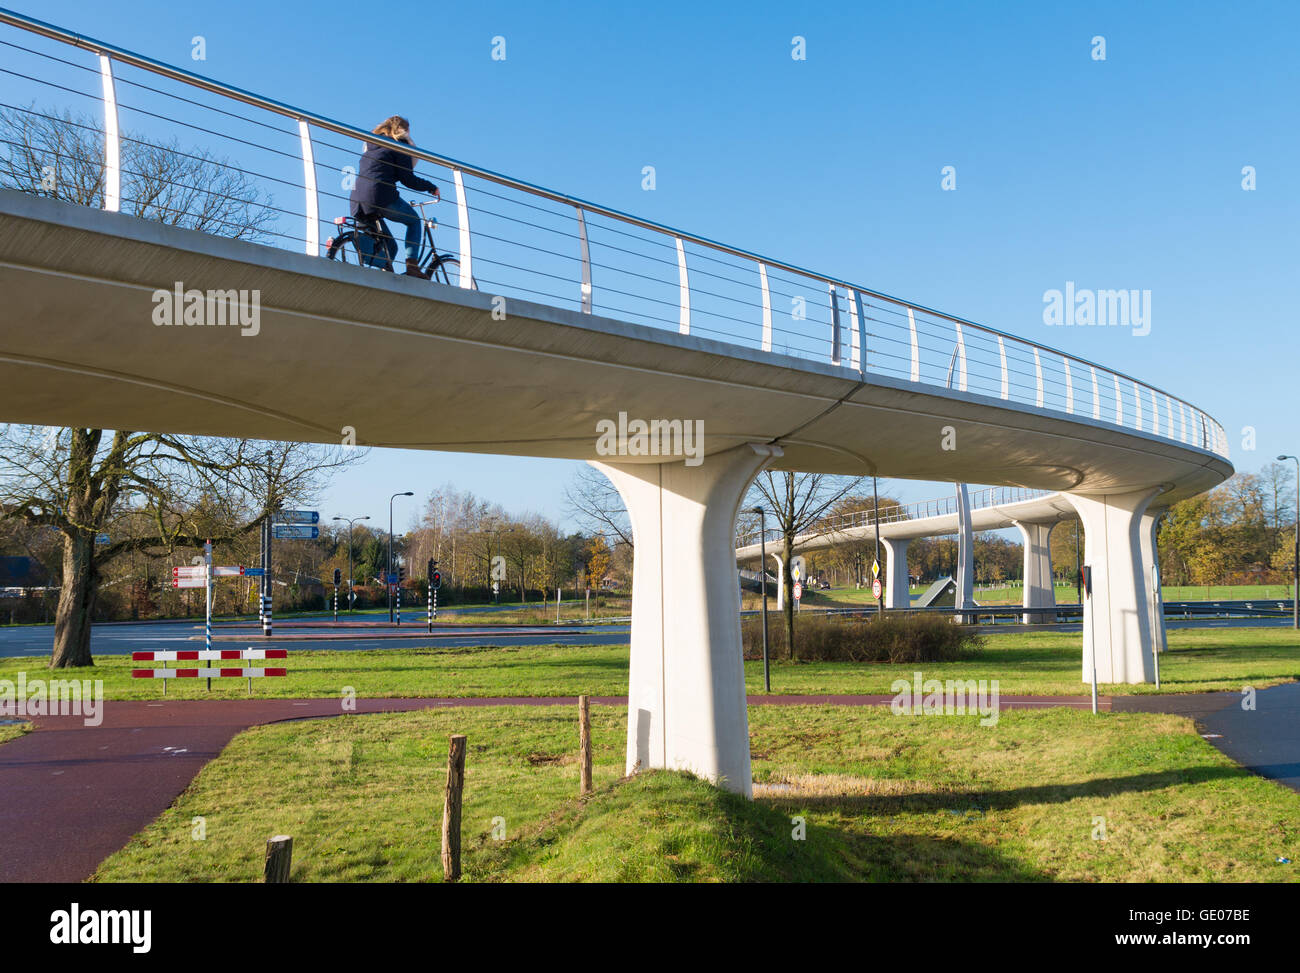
[
  {"x": 980, "y": 499},
  {"x": 517, "y": 239}
]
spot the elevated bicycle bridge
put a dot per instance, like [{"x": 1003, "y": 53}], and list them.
[{"x": 583, "y": 315}]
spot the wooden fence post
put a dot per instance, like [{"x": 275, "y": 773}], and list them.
[
  {"x": 451, "y": 809},
  {"x": 584, "y": 743},
  {"x": 279, "y": 858}
]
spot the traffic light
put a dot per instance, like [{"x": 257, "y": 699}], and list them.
[
  {"x": 401, "y": 574},
  {"x": 338, "y": 577},
  {"x": 435, "y": 576}
]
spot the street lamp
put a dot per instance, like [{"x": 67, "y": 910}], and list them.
[
  {"x": 388, "y": 572},
  {"x": 1295, "y": 559},
  {"x": 351, "y": 593},
  {"x": 762, "y": 577}
]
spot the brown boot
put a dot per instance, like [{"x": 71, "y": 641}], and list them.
[{"x": 413, "y": 270}]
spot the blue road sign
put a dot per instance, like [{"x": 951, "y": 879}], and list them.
[
  {"x": 392, "y": 578},
  {"x": 253, "y": 572},
  {"x": 297, "y": 517},
  {"x": 300, "y": 532},
  {"x": 101, "y": 538}
]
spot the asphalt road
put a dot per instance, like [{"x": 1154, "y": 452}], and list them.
[{"x": 121, "y": 638}]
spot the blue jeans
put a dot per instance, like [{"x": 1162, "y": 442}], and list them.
[{"x": 401, "y": 212}]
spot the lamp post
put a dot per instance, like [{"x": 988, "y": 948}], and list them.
[
  {"x": 350, "y": 523},
  {"x": 762, "y": 577},
  {"x": 389, "y": 570},
  {"x": 1295, "y": 554}
]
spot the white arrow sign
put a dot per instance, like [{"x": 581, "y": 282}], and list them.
[
  {"x": 190, "y": 583},
  {"x": 231, "y": 572}
]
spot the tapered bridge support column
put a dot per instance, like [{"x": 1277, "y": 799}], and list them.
[
  {"x": 780, "y": 581},
  {"x": 897, "y": 590},
  {"x": 1117, "y": 618},
  {"x": 1151, "y": 567},
  {"x": 1040, "y": 591},
  {"x": 965, "y": 578},
  {"x": 686, "y": 686}
]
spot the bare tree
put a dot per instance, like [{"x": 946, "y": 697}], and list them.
[
  {"x": 595, "y": 504},
  {"x": 797, "y": 503},
  {"x": 61, "y": 155},
  {"x": 146, "y": 492}
]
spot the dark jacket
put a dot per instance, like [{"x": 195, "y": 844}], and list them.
[{"x": 381, "y": 169}]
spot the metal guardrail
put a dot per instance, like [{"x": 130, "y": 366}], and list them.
[
  {"x": 520, "y": 239},
  {"x": 980, "y": 499}
]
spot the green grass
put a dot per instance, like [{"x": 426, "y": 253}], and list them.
[
  {"x": 10, "y": 731},
  {"x": 1046, "y": 663},
  {"x": 882, "y": 798}
]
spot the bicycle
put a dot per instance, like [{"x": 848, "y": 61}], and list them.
[{"x": 441, "y": 267}]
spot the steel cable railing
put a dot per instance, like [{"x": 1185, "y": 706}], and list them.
[{"x": 295, "y": 169}]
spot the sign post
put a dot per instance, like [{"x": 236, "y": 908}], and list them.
[
  {"x": 338, "y": 576},
  {"x": 1087, "y": 593},
  {"x": 207, "y": 584},
  {"x": 435, "y": 582}
]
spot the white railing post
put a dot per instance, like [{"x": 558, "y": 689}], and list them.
[
  {"x": 1002, "y": 357},
  {"x": 112, "y": 139},
  {"x": 1096, "y": 394},
  {"x": 835, "y": 325},
  {"x": 311, "y": 238},
  {"x": 961, "y": 357},
  {"x": 860, "y": 315},
  {"x": 462, "y": 217},
  {"x": 1119, "y": 402},
  {"x": 1038, "y": 378},
  {"x": 855, "y": 344},
  {"x": 1069, "y": 386},
  {"x": 916, "y": 349},
  {"x": 684, "y": 289},
  {"x": 1137, "y": 407},
  {"x": 585, "y": 252},
  {"x": 767, "y": 307}
]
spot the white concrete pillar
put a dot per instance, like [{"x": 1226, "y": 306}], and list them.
[
  {"x": 686, "y": 686},
  {"x": 1040, "y": 590},
  {"x": 1151, "y": 567},
  {"x": 1116, "y": 619},
  {"x": 897, "y": 592},
  {"x": 965, "y": 597},
  {"x": 780, "y": 581}
]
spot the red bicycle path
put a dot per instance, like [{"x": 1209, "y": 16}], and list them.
[{"x": 71, "y": 794}]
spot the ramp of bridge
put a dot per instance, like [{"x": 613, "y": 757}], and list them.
[{"x": 568, "y": 315}]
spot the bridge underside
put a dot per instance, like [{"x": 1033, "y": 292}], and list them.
[{"x": 79, "y": 346}]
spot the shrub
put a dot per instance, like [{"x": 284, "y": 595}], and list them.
[{"x": 889, "y": 638}]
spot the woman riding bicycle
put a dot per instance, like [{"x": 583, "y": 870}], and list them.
[{"x": 375, "y": 194}]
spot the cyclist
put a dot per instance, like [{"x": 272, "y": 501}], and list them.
[{"x": 375, "y": 195}]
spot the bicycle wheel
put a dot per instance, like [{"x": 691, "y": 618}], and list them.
[
  {"x": 447, "y": 270},
  {"x": 338, "y": 248}
]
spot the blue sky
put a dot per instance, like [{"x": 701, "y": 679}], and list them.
[{"x": 1122, "y": 173}]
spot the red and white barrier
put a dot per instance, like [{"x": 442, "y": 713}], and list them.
[
  {"x": 208, "y": 673},
  {"x": 209, "y": 655}
]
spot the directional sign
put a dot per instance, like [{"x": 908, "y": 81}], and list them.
[
  {"x": 392, "y": 577},
  {"x": 190, "y": 583},
  {"x": 190, "y": 571},
  {"x": 303, "y": 533},
  {"x": 875, "y": 588},
  {"x": 297, "y": 517},
  {"x": 253, "y": 572},
  {"x": 231, "y": 572}
]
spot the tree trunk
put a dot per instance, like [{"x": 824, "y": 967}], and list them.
[
  {"x": 788, "y": 550},
  {"x": 76, "y": 603}
]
